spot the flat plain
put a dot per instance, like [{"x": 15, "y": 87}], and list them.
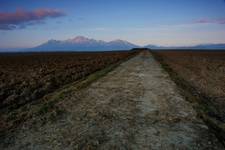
[
  {"x": 203, "y": 70},
  {"x": 134, "y": 106},
  {"x": 25, "y": 78},
  {"x": 200, "y": 74}
]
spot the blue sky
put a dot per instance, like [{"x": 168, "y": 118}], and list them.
[{"x": 160, "y": 22}]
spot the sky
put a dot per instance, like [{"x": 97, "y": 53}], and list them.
[{"x": 28, "y": 23}]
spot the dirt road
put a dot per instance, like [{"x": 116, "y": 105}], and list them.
[{"x": 135, "y": 106}]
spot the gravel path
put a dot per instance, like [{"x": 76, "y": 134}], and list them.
[{"x": 135, "y": 106}]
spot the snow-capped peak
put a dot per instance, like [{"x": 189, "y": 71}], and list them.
[{"x": 80, "y": 39}]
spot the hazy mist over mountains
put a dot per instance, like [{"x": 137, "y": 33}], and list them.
[{"x": 81, "y": 43}]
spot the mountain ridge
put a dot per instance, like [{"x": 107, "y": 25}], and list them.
[{"x": 85, "y": 44}]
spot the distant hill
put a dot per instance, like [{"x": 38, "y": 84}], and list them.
[
  {"x": 210, "y": 46},
  {"x": 202, "y": 46},
  {"x": 81, "y": 43}
]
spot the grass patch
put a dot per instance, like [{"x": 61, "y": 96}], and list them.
[{"x": 93, "y": 77}]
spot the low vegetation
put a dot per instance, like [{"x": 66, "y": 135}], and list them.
[
  {"x": 28, "y": 77},
  {"x": 201, "y": 76}
]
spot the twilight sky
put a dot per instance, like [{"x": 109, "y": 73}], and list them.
[{"x": 28, "y": 23}]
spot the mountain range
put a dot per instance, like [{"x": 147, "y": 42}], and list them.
[{"x": 81, "y": 43}]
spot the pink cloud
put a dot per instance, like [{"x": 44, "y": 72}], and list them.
[
  {"x": 211, "y": 21},
  {"x": 21, "y": 18}
]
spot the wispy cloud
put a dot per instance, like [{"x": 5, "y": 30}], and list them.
[
  {"x": 210, "y": 21},
  {"x": 21, "y": 18}
]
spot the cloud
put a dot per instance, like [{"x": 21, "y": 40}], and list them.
[
  {"x": 21, "y": 18},
  {"x": 210, "y": 21}
]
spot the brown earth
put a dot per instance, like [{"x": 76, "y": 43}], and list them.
[
  {"x": 135, "y": 106},
  {"x": 204, "y": 71},
  {"x": 26, "y": 77}
]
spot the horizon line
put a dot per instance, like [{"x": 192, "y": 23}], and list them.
[{"x": 139, "y": 45}]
